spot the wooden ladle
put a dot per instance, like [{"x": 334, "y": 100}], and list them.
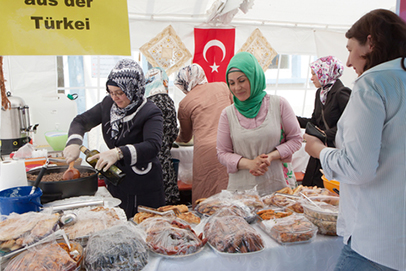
[{"x": 71, "y": 173}]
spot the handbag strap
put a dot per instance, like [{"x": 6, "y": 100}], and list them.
[{"x": 324, "y": 120}]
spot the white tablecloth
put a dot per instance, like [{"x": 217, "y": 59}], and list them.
[{"x": 319, "y": 255}]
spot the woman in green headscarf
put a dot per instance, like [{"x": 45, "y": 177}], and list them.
[{"x": 258, "y": 134}]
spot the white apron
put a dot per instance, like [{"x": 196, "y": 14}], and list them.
[{"x": 252, "y": 142}]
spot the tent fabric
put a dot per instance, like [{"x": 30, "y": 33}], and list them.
[{"x": 287, "y": 24}]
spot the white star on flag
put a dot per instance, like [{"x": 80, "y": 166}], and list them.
[{"x": 214, "y": 67}]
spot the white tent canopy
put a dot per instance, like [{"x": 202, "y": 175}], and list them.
[
  {"x": 292, "y": 27},
  {"x": 288, "y": 25}
]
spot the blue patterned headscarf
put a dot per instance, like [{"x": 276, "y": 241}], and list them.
[
  {"x": 156, "y": 82},
  {"x": 128, "y": 76}
]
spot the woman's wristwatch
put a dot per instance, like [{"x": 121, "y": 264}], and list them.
[{"x": 119, "y": 154}]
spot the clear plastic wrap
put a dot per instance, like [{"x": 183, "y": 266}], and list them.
[
  {"x": 48, "y": 257},
  {"x": 312, "y": 191},
  {"x": 268, "y": 214},
  {"x": 182, "y": 212},
  {"x": 289, "y": 202},
  {"x": 325, "y": 215},
  {"x": 228, "y": 233},
  {"x": 20, "y": 230},
  {"x": 226, "y": 200},
  {"x": 249, "y": 197},
  {"x": 121, "y": 247},
  {"x": 171, "y": 237},
  {"x": 91, "y": 220},
  {"x": 291, "y": 229}
]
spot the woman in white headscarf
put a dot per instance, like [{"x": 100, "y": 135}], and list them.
[
  {"x": 156, "y": 90},
  {"x": 331, "y": 99},
  {"x": 198, "y": 115}
]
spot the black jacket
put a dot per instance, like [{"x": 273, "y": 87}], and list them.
[
  {"x": 337, "y": 99},
  {"x": 140, "y": 139}
]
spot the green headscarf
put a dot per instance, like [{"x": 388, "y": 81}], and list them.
[{"x": 248, "y": 64}]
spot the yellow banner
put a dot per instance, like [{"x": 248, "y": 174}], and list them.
[{"x": 64, "y": 27}]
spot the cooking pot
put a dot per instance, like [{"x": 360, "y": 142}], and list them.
[{"x": 86, "y": 186}]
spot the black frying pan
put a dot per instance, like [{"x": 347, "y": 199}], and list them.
[{"x": 85, "y": 186}]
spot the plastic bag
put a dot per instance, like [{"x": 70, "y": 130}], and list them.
[
  {"x": 20, "y": 230},
  {"x": 49, "y": 256},
  {"x": 25, "y": 151},
  {"x": 172, "y": 237},
  {"x": 121, "y": 247},
  {"x": 290, "y": 229},
  {"x": 229, "y": 233},
  {"x": 224, "y": 199},
  {"x": 90, "y": 220}
]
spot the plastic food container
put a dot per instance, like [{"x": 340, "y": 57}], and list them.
[
  {"x": 325, "y": 215},
  {"x": 293, "y": 229}
]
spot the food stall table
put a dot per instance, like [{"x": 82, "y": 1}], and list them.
[{"x": 319, "y": 255}]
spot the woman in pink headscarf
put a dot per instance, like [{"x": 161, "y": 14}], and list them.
[
  {"x": 199, "y": 114},
  {"x": 331, "y": 98}
]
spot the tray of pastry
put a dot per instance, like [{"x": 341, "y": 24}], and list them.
[{"x": 180, "y": 211}]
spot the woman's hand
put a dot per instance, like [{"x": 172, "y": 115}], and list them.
[
  {"x": 106, "y": 159},
  {"x": 313, "y": 145},
  {"x": 259, "y": 165}
]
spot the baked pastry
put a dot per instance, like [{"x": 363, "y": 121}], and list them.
[
  {"x": 272, "y": 214},
  {"x": 232, "y": 234},
  {"x": 20, "y": 230},
  {"x": 49, "y": 256},
  {"x": 171, "y": 237},
  {"x": 181, "y": 208}
]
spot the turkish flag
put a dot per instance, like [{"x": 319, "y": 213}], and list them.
[{"x": 214, "y": 47}]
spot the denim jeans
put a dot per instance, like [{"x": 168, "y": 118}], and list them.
[{"x": 350, "y": 260}]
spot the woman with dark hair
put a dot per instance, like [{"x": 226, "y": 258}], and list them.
[
  {"x": 370, "y": 159},
  {"x": 331, "y": 98},
  {"x": 132, "y": 129}
]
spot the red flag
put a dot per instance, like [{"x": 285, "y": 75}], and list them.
[
  {"x": 402, "y": 9},
  {"x": 214, "y": 47}
]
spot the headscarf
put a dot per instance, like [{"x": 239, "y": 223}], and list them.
[
  {"x": 328, "y": 69},
  {"x": 190, "y": 76},
  {"x": 248, "y": 64},
  {"x": 156, "y": 81},
  {"x": 128, "y": 76}
]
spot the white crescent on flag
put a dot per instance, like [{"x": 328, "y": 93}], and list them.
[{"x": 214, "y": 43}]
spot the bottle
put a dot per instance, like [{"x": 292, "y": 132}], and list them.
[{"x": 113, "y": 174}]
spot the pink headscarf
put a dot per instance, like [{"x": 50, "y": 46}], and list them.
[{"x": 328, "y": 69}]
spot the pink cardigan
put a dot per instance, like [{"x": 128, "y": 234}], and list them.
[{"x": 293, "y": 143}]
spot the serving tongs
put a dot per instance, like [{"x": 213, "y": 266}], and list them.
[
  {"x": 174, "y": 211},
  {"x": 312, "y": 202},
  {"x": 288, "y": 196}
]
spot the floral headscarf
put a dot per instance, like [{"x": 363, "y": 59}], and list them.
[
  {"x": 156, "y": 81},
  {"x": 248, "y": 64},
  {"x": 128, "y": 76},
  {"x": 190, "y": 76},
  {"x": 328, "y": 69}
]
